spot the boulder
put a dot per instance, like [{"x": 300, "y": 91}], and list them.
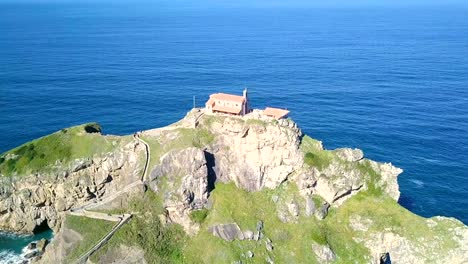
[
  {"x": 324, "y": 253},
  {"x": 228, "y": 232},
  {"x": 41, "y": 244}
]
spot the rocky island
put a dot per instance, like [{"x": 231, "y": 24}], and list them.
[{"x": 214, "y": 188}]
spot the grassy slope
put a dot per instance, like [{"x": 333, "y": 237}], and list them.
[
  {"x": 61, "y": 147},
  {"x": 230, "y": 204},
  {"x": 161, "y": 244},
  {"x": 92, "y": 230}
]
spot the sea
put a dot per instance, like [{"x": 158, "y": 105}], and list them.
[{"x": 392, "y": 81}]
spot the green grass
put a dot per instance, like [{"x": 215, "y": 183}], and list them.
[
  {"x": 177, "y": 139},
  {"x": 198, "y": 216},
  {"x": 160, "y": 243},
  {"x": 91, "y": 230},
  {"x": 385, "y": 214},
  {"x": 372, "y": 188},
  {"x": 320, "y": 160},
  {"x": 292, "y": 242},
  {"x": 314, "y": 155},
  {"x": 61, "y": 147}
]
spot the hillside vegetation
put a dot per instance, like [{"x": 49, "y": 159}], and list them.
[{"x": 57, "y": 149}]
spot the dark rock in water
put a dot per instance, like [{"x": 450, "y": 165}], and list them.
[
  {"x": 32, "y": 245},
  {"x": 227, "y": 232},
  {"x": 31, "y": 254},
  {"x": 41, "y": 244}
]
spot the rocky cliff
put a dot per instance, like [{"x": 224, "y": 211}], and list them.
[
  {"x": 40, "y": 200},
  {"x": 251, "y": 189}
]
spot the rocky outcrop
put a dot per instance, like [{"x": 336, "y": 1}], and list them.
[
  {"x": 28, "y": 202},
  {"x": 255, "y": 154},
  {"x": 182, "y": 177},
  {"x": 323, "y": 253},
  {"x": 388, "y": 244}
]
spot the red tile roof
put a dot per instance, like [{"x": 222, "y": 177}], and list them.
[{"x": 275, "y": 112}]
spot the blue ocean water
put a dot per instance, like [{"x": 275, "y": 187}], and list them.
[{"x": 391, "y": 81}]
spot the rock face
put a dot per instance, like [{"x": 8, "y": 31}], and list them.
[
  {"x": 31, "y": 201},
  {"x": 384, "y": 244},
  {"x": 184, "y": 174},
  {"x": 255, "y": 155}
]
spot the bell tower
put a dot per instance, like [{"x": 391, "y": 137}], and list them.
[{"x": 245, "y": 106}]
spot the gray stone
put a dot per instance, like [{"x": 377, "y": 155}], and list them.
[
  {"x": 293, "y": 208},
  {"x": 324, "y": 253},
  {"x": 228, "y": 232},
  {"x": 309, "y": 206},
  {"x": 259, "y": 225},
  {"x": 322, "y": 212},
  {"x": 269, "y": 246},
  {"x": 351, "y": 155},
  {"x": 248, "y": 234},
  {"x": 250, "y": 254},
  {"x": 269, "y": 260}
]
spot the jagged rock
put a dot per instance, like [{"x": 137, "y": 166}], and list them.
[
  {"x": 257, "y": 236},
  {"x": 31, "y": 254},
  {"x": 248, "y": 234},
  {"x": 388, "y": 180},
  {"x": 228, "y": 232},
  {"x": 264, "y": 157},
  {"x": 324, "y": 253},
  {"x": 269, "y": 245},
  {"x": 186, "y": 184},
  {"x": 36, "y": 199},
  {"x": 260, "y": 225},
  {"x": 309, "y": 206},
  {"x": 269, "y": 260},
  {"x": 351, "y": 155},
  {"x": 293, "y": 208},
  {"x": 322, "y": 211},
  {"x": 403, "y": 250},
  {"x": 41, "y": 244},
  {"x": 32, "y": 245}
]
